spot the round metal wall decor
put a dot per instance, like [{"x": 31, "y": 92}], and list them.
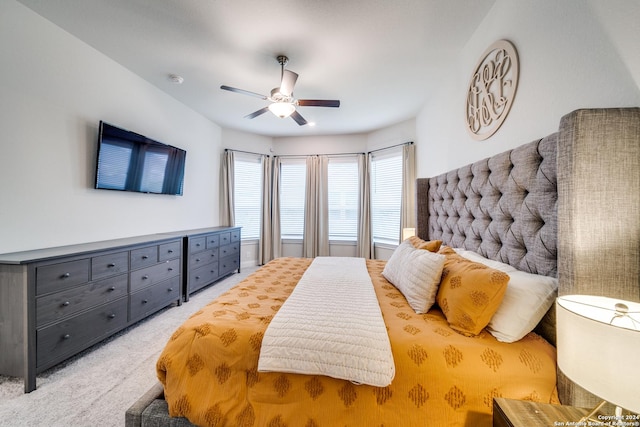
[{"x": 491, "y": 90}]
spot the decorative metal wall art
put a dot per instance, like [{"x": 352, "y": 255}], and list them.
[{"x": 491, "y": 90}]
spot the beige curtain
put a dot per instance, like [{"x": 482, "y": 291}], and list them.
[
  {"x": 316, "y": 216},
  {"x": 227, "y": 204},
  {"x": 276, "y": 238},
  {"x": 265, "y": 244},
  {"x": 408, "y": 206},
  {"x": 364, "y": 247}
]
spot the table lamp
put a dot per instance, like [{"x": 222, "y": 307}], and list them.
[
  {"x": 598, "y": 342},
  {"x": 408, "y": 232}
]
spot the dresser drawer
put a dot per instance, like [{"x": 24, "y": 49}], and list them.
[
  {"x": 197, "y": 244},
  {"x": 225, "y": 238},
  {"x": 202, "y": 258},
  {"x": 169, "y": 250},
  {"x": 153, "y": 298},
  {"x": 54, "y": 307},
  {"x": 63, "y": 339},
  {"x": 229, "y": 264},
  {"x": 144, "y": 256},
  {"x": 235, "y": 235},
  {"x": 148, "y": 276},
  {"x": 109, "y": 265},
  {"x": 213, "y": 240},
  {"x": 54, "y": 277},
  {"x": 228, "y": 250},
  {"x": 202, "y": 276}
]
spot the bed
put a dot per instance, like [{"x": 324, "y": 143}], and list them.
[{"x": 498, "y": 213}]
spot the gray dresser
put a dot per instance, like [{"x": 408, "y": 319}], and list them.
[
  {"x": 57, "y": 302},
  {"x": 212, "y": 253}
]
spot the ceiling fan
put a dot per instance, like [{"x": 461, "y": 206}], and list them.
[{"x": 283, "y": 104}]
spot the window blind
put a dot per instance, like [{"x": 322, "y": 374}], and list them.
[
  {"x": 386, "y": 196},
  {"x": 292, "y": 194},
  {"x": 343, "y": 185},
  {"x": 248, "y": 194}
]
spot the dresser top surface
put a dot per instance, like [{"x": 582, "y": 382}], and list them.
[{"x": 36, "y": 255}]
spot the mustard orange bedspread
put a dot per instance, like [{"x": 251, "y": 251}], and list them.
[{"x": 209, "y": 366}]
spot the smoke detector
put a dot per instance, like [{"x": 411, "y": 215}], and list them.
[{"x": 174, "y": 78}]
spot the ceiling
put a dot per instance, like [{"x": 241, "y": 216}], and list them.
[{"x": 380, "y": 58}]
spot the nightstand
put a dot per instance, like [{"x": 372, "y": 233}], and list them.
[{"x": 522, "y": 413}]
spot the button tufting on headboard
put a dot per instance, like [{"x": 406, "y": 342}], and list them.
[{"x": 503, "y": 207}]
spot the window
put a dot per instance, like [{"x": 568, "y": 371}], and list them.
[
  {"x": 386, "y": 196},
  {"x": 292, "y": 193},
  {"x": 248, "y": 194},
  {"x": 343, "y": 184}
]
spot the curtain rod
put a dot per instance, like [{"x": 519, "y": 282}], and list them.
[
  {"x": 332, "y": 154},
  {"x": 245, "y": 152},
  {"x": 391, "y": 146},
  {"x": 302, "y": 156}
]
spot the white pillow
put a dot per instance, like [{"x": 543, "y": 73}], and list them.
[
  {"x": 476, "y": 257},
  {"x": 526, "y": 301},
  {"x": 416, "y": 273}
]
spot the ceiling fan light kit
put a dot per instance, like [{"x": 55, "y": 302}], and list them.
[
  {"x": 283, "y": 104},
  {"x": 282, "y": 109}
]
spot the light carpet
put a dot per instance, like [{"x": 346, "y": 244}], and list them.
[{"x": 96, "y": 387}]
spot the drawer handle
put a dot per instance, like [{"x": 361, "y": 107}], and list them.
[
  {"x": 170, "y": 251},
  {"x": 112, "y": 288},
  {"x": 144, "y": 301},
  {"x": 170, "y": 290},
  {"x": 197, "y": 259},
  {"x": 65, "y": 275},
  {"x": 66, "y": 336},
  {"x": 112, "y": 316},
  {"x": 170, "y": 269},
  {"x": 111, "y": 265},
  {"x": 197, "y": 277},
  {"x": 145, "y": 277},
  {"x": 65, "y": 304},
  {"x": 198, "y": 244},
  {"x": 145, "y": 257}
]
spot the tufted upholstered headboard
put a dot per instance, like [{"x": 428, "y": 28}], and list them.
[
  {"x": 566, "y": 206},
  {"x": 503, "y": 207}
]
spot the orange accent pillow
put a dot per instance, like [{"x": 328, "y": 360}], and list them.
[
  {"x": 431, "y": 245},
  {"x": 470, "y": 293}
]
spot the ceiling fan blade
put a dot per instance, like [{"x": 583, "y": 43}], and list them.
[
  {"x": 242, "y": 91},
  {"x": 298, "y": 118},
  {"x": 318, "y": 102},
  {"x": 257, "y": 113},
  {"x": 288, "y": 82}
]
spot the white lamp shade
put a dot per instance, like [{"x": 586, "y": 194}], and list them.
[
  {"x": 282, "y": 109},
  {"x": 598, "y": 349},
  {"x": 408, "y": 232}
]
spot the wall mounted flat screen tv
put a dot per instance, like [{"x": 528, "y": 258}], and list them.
[{"x": 128, "y": 161}]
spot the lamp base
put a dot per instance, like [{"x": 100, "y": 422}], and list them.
[{"x": 590, "y": 415}]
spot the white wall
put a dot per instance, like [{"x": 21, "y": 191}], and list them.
[
  {"x": 392, "y": 135},
  {"x": 572, "y": 55},
  {"x": 244, "y": 141},
  {"x": 54, "y": 91},
  {"x": 331, "y": 144}
]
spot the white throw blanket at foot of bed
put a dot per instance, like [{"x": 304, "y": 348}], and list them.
[{"x": 332, "y": 325}]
